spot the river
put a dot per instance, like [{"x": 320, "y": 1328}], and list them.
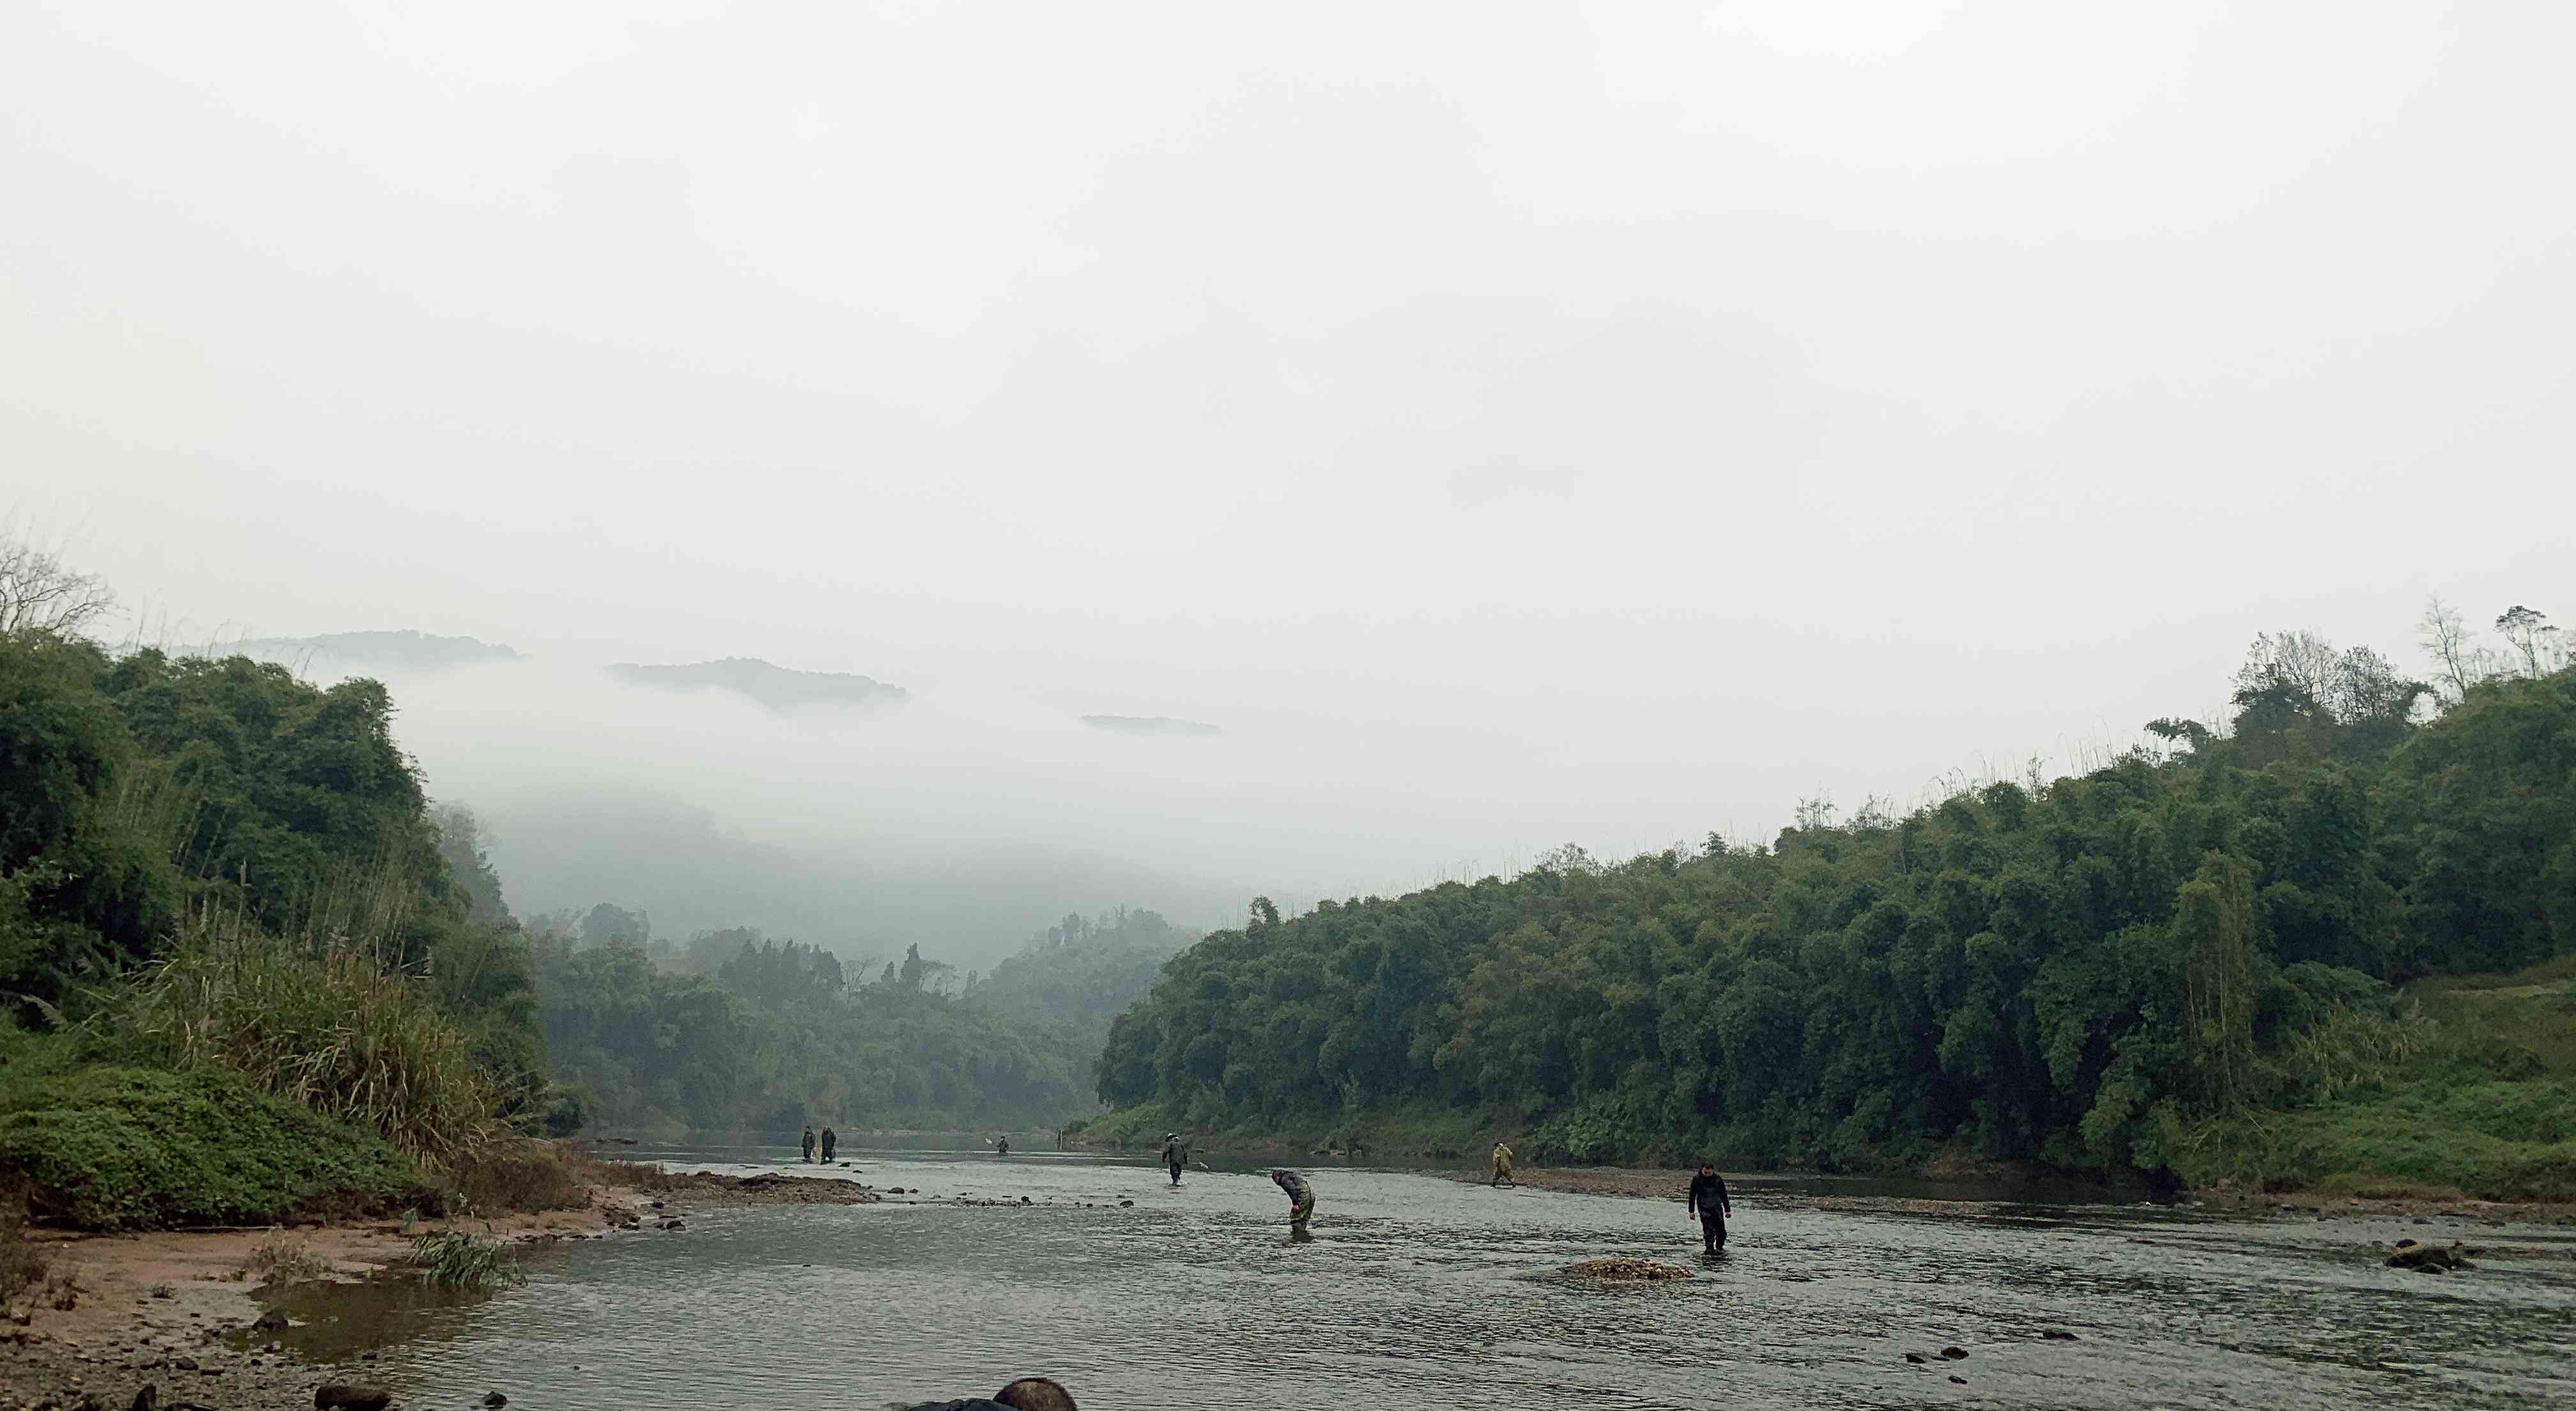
[{"x": 1418, "y": 1291}]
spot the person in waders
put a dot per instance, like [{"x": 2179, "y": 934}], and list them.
[
  {"x": 1175, "y": 1155},
  {"x": 1707, "y": 1201},
  {"x": 1301, "y": 1201},
  {"x": 809, "y": 1142},
  {"x": 1502, "y": 1166},
  {"x": 831, "y": 1140},
  {"x": 1002, "y": 1146}
]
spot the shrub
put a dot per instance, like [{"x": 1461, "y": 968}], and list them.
[
  {"x": 320, "y": 1023},
  {"x": 525, "y": 1175},
  {"x": 455, "y": 1259},
  {"x": 109, "y": 1148},
  {"x": 287, "y": 1260},
  {"x": 22, "y": 1264}
]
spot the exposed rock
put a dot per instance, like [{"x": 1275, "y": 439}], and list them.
[
  {"x": 2057, "y": 1335},
  {"x": 341, "y": 1396},
  {"x": 1916, "y": 1358},
  {"x": 1954, "y": 1353},
  {"x": 2427, "y": 1258},
  {"x": 495, "y": 1400},
  {"x": 1627, "y": 1270},
  {"x": 272, "y": 1321}
]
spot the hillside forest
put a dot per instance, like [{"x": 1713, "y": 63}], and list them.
[{"x": 2230, "y": 957}]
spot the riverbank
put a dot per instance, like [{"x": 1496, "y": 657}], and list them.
[{"x": 180, "y": 1310}]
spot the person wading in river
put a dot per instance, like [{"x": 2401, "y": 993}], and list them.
[
  {"x": 1707, "y": 1201},
  {"x": 1175, "y": 1155},
  {"x": 831, "y": 1140},
  {"x": 1301, "y": 1201},
  {"x": 809, "y": 1142},
  {"x": 1502, "y": 1166}
]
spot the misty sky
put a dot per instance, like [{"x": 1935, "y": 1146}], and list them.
[{"x": 1514, "y": 424}]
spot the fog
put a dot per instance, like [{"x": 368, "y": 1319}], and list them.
[{"x": 1511, "y": 425}]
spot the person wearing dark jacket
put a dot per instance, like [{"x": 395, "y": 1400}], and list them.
[
  {"x": 1175, "y": 1155},
  {"x": 831, "y": 1139},
  {"x": 1707, "y": 1201},
  {"x": 809, "y": 1142},
  {"x": 1301, "y": 1200}
]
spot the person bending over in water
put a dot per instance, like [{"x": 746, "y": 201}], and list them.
[
  {"x": 1175, "y": 1155},
  {"x": 1503, "y": 1166},
  {"x": 1301, "y": 1199},
  {"x": 1707, "y": 1200}
]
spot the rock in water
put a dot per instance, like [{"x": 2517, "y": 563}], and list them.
[
  {"x": 271, "y": 1321},
  {"x": 495, "y": 1399},
  {"x": 145, "y": 1399},
  {"x": 1624, "y": 1270},
  {"x": 1954, "y": 1353},
  {"x": 2427, "y": 1258},
  {"x": 339, "y": 1396}
]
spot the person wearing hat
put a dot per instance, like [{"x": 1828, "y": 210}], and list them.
[
  {"x": 1175, "y": 1155},
  {"x": 1707, "y": 1201}
]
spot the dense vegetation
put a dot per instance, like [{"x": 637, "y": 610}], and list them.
[
  {"x": 2174, "y": 963},
  {"x": 738, "y": 1032},
  {"x": 222, "y": 892}
]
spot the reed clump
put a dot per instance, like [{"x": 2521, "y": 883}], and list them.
[
  {"x": 319, "y": 1020},
  {"x": 455, "y": 1259}
]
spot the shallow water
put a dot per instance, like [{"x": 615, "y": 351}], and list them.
[{"x": 1417, "y": 1291}]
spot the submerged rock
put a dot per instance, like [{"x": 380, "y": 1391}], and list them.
[
  {"x": 340, "y": 1396},
  {"x": 1627, "y": 1270}
]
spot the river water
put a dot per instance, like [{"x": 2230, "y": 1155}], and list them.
[{"x": 1420, "y": 1292}]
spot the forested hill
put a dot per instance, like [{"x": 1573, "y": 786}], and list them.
[
  {"x": 735, "y": 1031},
  {"x": 2092, "y": 972}
]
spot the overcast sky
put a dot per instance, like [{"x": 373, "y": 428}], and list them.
[{"x": 1513, "y": 423}]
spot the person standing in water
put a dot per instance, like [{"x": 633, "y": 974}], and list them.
[
  {"x": 1175, "y": 1155},
  {"x": 831, "y": 1140},
  {"x": 1707, "y": 1201},
  {"x": 809, "y": 1143},
  {"x": 1002, "y": 1146},
  {"x": 1503, "y": 1166},
  {"x": 1301, "y": 1200}
]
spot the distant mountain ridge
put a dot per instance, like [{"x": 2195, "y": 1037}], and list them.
[
  {"x": 776, "y": 687},
  {"x": 1151, "y": 725},
  {"x": 408, "y": 649}
]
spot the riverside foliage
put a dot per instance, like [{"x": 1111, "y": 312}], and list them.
[
  {"x": 2120, "y": 970},
  {"x": 773, "y": 1035}
]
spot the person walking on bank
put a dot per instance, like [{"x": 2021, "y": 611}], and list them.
[
  {"x": 831, "y": 1139},
  {"x": 1502, "y": 1166},
  {"x": 1301, "y": 1201},
  {"x": 1707, "y": 1201},
  {"x": 1175, "y": 1155},
  {"x": 809, "y": 1143}
]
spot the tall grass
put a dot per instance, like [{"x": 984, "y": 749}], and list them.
[
  {"x": 323, "y": 1021},
  {"x": 455, "y": 1259}
]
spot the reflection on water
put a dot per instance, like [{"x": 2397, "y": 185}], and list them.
[{"x": 1421, "y": 1292}]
